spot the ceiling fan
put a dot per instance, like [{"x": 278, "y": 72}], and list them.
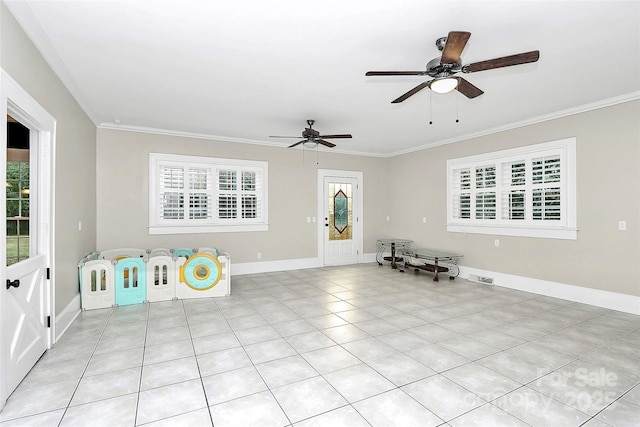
[
  {"x": 312, "y": 136},
  {"x": 444, "y": 68}
]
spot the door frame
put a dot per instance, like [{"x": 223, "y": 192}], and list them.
[
  {"x": 15, "y": 101},
  {"x": 357, "y": 213}
]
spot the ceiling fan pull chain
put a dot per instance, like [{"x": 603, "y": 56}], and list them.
[
  {"x": 457, "y": 107},
  {"x": 430, "y": 121}
]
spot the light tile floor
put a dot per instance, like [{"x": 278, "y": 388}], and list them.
[{"x": 353, "y": 346}]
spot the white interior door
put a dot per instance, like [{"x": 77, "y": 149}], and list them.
[
  {"x": 26, "y": 301},
  {"x": 25, "y": 314},
  {"x": 341, "y": 217}
]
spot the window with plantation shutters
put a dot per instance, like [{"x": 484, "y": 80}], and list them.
[
  {"x": 189, "y": 194},
  {"x": 527, "y": 191}
]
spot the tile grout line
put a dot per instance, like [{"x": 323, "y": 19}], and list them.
[{"x": 82, "y": 376}]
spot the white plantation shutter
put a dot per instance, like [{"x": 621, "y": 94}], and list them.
[
  {"x": 198, "y": 194},
  {"x": 546, "y": 175},
  {"x": 461, "y": 199},
  {"x": 250, "y": 194},
  {"x": 514, "y": 180},
  {"x": 546, "y": 169},
  {"x": 240, "y": 194},
  {"x": 486, "y": 205},
  {"x": 172, "y": 192},
  {"x": 227, "y": 194},
  {"x": 527, "y": 191},
  {"x": 485, "y": 178}
]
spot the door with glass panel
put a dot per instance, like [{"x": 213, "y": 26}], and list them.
[
  {"x": 341, "y": 220},
  {"x": 25, "y": 302}
]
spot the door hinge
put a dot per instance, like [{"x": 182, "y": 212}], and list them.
[
  {"x": 48, "y": 321},
  {"x": 48, "y": 273}
]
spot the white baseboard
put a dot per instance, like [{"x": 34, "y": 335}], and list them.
[
  {"x": 284, "y": 265},
  {"x": 369, "y": 258},
  {"x": 271, "y": 266},
  {"x": 597, "y": 297},
  {"x": 65, "y": 318}
]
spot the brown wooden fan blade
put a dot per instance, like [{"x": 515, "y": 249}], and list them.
[
  {"x": 297, "y": 143},
  {"x": 411, "y": 92},
  {"x": 326, "y": 143},
  {"x": 272, "y": 136},
  {"x": 505, "y": 61},
  {"x": 396, "y": 73},
  {"x": 467, "y": 89},
  {"x": 346, "y": 135},
  {"x": 456, "y": 41}
]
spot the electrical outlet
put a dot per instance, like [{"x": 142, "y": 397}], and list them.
[
  {"x": 387, "y": 218},
  {"x": 496, "y": 242},
  {"x": 424, "y": 219},
  {"x": 259, "y": 255},
  {"x": 308, "y": 219},
  {"x": 622, "y": 225}
]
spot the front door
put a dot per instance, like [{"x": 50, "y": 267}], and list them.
[
  {"x": 341, "y": 218},
  {"x": 25, "y": 292}
]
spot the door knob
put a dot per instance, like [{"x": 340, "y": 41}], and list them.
[{"x": 14, "y": 284}]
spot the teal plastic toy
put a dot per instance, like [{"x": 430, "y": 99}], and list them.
[{"x": 131, "y": 280}]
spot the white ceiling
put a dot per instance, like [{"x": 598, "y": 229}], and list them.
[{"x": 243, "y": 70}]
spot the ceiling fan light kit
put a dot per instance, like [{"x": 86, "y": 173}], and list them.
[
  {"x": 443, "y": 84},
  {"x": 443, "y": 69}
]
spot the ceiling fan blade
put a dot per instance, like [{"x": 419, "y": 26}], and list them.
[
  {"x": 297, "y": 143},
  {"x": 505, "y": 61},
  {"x": 456, "y": 41},
  {"x": 467, "y": 89},
  {"x": 336, "y": 136},
  {"x": 396, "y": 73},
  {"x": 325, "y": 143},
  {"x": 411, "y": 92}
]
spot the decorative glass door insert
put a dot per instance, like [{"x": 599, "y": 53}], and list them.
[{"x": 340, "y": 211}]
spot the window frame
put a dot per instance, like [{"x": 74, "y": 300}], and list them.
[
  {"x": 522, "y": 223},
  {"x": 214, "y": 224}
]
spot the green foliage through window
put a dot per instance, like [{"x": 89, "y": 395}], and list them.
[{"x": 17, "y": 193}]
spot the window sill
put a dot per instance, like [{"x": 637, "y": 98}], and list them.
[
  {"x": 198, "y": 229},
  {"x": 539, "y": 232}
]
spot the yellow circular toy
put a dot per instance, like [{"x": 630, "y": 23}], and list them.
[{"x": 201, "y": 272}]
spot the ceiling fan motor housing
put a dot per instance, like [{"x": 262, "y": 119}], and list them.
[
  {"x": 437, "y": 69},
  {"x": 310, "y": 133}
]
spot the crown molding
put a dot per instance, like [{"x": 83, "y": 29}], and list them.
[{"x": 539, "y": 119}]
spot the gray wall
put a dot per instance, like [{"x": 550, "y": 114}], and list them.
[
  {"x": 407, "y": 188},
  {"x": 123, "y": 181},
  {"x": 608, "y": 190},
  {"x": 75, "y": 180}
]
